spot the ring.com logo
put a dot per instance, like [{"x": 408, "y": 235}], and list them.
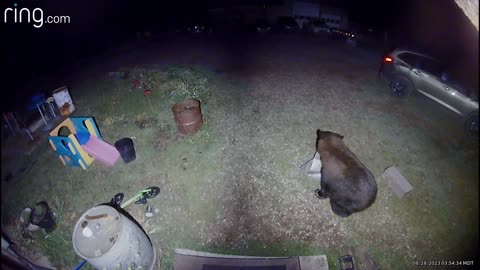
[{"x": 36, "y": 15}]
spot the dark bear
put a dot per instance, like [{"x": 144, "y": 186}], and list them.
[{"x": 350, "y": 186}]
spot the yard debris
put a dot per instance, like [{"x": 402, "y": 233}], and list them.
[
  {"x": 174, "y": 83},
  {"x": 399, "y": 185},
  {"x": 43, "y": 217},
  {"x": 149, "y": 211},
  {"x": 25, "y": 220},
  {"x": 313, "y": 168},
  {"x": 137, "y": 84},
  {"x": 38, "y": 216}
]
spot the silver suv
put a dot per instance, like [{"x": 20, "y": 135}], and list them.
[{"x": 406, "y": 71}]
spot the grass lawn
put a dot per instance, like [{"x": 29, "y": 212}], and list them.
[{"x": 235, "y": 186}]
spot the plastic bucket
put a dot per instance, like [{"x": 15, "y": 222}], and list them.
[
  {"x": 109, "y": 240},
  {"x": 63, "y": 100},
  {"x": 126, "y": 149},
  {"x": 188, "y": 116}
]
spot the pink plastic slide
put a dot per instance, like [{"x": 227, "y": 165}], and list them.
[{"x": 101, "y": 150}]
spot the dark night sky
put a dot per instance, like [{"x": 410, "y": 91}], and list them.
[
  {"x": 98, "y": 24},
  {"x": 377, "y": 13},
  {"x": 36, "y": 54}
]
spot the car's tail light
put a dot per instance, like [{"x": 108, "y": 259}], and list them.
[{"x": 388, "y": 60}]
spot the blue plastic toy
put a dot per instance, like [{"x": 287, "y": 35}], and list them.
[{"x": 68, "y": 147}]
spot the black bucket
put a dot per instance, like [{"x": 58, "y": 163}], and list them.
[
  {"x": 43, "y": 217},
  {"x": 126, "y": 149}
]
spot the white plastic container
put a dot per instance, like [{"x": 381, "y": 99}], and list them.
[
  {"x": 109, "y": 240},
  {"x": 63, "y": 100},
  {"x": 313, "y": 168}
]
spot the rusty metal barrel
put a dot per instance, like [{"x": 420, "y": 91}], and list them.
[{"x": 188, "y": 116}]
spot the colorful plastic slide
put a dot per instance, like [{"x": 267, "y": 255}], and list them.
[
  {"x": 101, "y": 151},
  {"x": 82, "y": 145}
]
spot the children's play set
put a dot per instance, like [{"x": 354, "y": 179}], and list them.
[{"x": 82, "y": 145}]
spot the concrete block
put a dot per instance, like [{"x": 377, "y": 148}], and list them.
[{"x": 398, "y": 184}]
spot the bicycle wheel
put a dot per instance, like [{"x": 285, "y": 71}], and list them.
[{"x": 151, "y": 192}]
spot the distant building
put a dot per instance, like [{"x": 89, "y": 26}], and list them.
[
  {"x": 237, "y": 14},
  {"x": 305, "y": 11},
  {"x": 274, "y": 12},
  {"x": 334, "y": 17}
]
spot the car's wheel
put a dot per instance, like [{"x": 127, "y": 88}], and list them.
[
  {"x": 471, "y": 124},
  {"x": 400, "y": 87}
]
